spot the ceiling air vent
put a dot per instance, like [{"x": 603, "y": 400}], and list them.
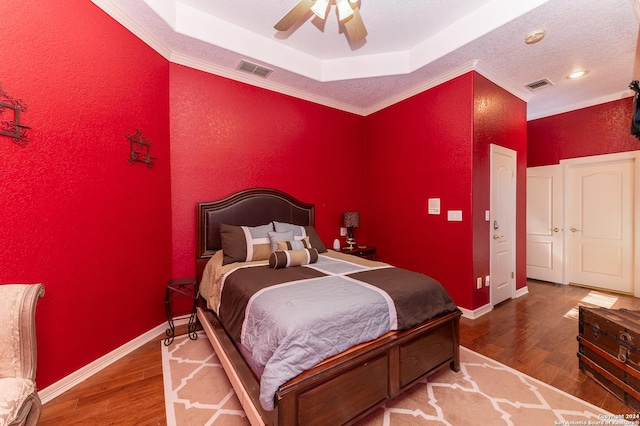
[
  {"x": 539, "y": 84},
  {"x": 254, "y": 69}
]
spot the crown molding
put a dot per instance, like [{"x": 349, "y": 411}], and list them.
[
  {"x": 123, "y": 19},
  {"x": 159, "y": 46},
  {"x": 579, "y": 105},
  {"x": 429, "y": 84},
  {"x": 252, "y": 80}
]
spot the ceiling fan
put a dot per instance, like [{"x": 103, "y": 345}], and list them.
[{"x": 348, "y": 14}]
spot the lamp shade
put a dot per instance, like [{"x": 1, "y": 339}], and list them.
[
  {"x": 350, "y": 219},
  {"x": 320, "y": 8},
  {"x": 344, "y": 9}
]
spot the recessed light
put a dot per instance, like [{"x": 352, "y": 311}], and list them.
[
  {"x": 576, "y": 74},
  {"x": 534, "y": 36}
]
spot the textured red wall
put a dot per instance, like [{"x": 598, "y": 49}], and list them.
[
  {"x": 436, "y": 145},
  {"x": 499, "y": 118},
  {"x": 104, "y": 236},
  {"x": 227, "y": 136},
  {"x": 75, "y": 216},
  {"x": 600, "y": 129},
  {"x": 420, "y": 148}
]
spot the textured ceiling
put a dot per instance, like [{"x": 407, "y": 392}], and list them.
[{"x": 411, "y": 46}]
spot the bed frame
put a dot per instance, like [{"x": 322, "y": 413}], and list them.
[{"x": 346, "y": 387}]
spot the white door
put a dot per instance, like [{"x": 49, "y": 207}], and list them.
[
  {"x": 544, "y": 223},
  {"x": 502, "y": 223},
  {"x": 600, "y": 231}
]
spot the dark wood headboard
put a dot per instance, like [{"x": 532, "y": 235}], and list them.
[{"x": 251, "y": 207}]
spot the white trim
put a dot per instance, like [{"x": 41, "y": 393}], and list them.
[
  {"x": 521, "y": 292},
  {"x": 476, "y": 313},
  {"x": 78, "y": 376},
  {"x": 134, "y": 27},
  {"x": 579, "y": 105}
]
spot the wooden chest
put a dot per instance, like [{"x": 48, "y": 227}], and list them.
[{"x": 608, "y": 352}]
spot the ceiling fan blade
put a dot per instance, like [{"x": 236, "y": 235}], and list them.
[
  {"x": 355, "y": 26},
  {"x": 293, "y": 15}
]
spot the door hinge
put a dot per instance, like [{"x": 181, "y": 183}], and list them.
[{"x": 512, "y": 275}]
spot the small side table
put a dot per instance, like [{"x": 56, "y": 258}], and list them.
[
  {"x": 176, "y": 288},
  {"x": 364, "y": 252}
]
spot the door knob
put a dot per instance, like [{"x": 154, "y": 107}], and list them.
[
  {"x": 575, "y": 230},
  {"x": 496, "y": 236},
  {"x": 554, "y": 229}
]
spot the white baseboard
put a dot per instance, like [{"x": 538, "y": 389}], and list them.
[
  {"x": 75, "y": 378},
  {"x": 521, "y": 292},
  {"x": 473, "y": 314}
]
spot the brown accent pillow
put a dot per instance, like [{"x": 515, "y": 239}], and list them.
[{"x": 245, "y": 243}]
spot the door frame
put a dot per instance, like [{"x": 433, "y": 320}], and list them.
[
  {"x": 628, "y": 155},
  {"x": 497, "y": 149}
]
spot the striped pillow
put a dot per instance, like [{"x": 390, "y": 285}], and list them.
[
  {"x": 245, "y": 243},
  {"x": 285, "y": 258}
]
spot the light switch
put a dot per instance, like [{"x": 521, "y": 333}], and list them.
[
  {"x": 454, "y": 215},
  {"x": 434, "y": 205},
  {"x": 343, "y": 232}
]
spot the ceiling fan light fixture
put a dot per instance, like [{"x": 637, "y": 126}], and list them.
[
  {"x": 320, "y": 8},
  {"x": 534, "y": 36},
  {"x": 344, "y": 10}
]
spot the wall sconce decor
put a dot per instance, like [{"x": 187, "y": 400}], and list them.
[
  {"x": 351, "y": 220},
  {"x": 10, "y": 109},
  {"x": 140, "y": 149}
]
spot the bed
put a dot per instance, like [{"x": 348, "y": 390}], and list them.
[{"x": 343, "y": 388}]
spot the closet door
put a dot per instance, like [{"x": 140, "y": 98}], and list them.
[
  {"x": 600, "y": 217},
  {"x": 545, "y": 232}
]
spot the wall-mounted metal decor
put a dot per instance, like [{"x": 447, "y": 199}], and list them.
[
  {"x": 10, "y": 109},
  {"x": 140, "y": 149}
]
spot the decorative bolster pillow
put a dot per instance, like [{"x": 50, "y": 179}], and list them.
[{"x": 286, "y": 258}]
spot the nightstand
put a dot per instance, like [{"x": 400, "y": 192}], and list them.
[
  {"x": 181, "y": 288},
  {"x": 364, "y": 252}
]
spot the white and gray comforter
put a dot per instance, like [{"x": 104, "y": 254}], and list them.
[{"x": 291, "y": 319}]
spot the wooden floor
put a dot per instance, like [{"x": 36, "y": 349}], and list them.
[{"x": 530, "y": 334}]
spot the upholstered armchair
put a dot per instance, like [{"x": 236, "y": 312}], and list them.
[{"x": 19, "y": 401}]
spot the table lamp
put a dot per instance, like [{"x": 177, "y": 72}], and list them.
[{"x": 350, "y": 220}]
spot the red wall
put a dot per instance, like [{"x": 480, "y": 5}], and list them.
[
  {"x": 436, "y": 145},
  {"x": 75, "y": 215},
  {"x": 104, "y": 236},
  {"x": 600, "y": 129},
  {"x": 499, "y": 118},
  {"x": 227, "y": 136},
  {"x": 420, "y": 148}
]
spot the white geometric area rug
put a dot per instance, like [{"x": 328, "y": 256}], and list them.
[{"x": 483, "y": 392}]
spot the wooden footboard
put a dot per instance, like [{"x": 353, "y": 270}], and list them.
[{"x": 350, "y": 385}]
